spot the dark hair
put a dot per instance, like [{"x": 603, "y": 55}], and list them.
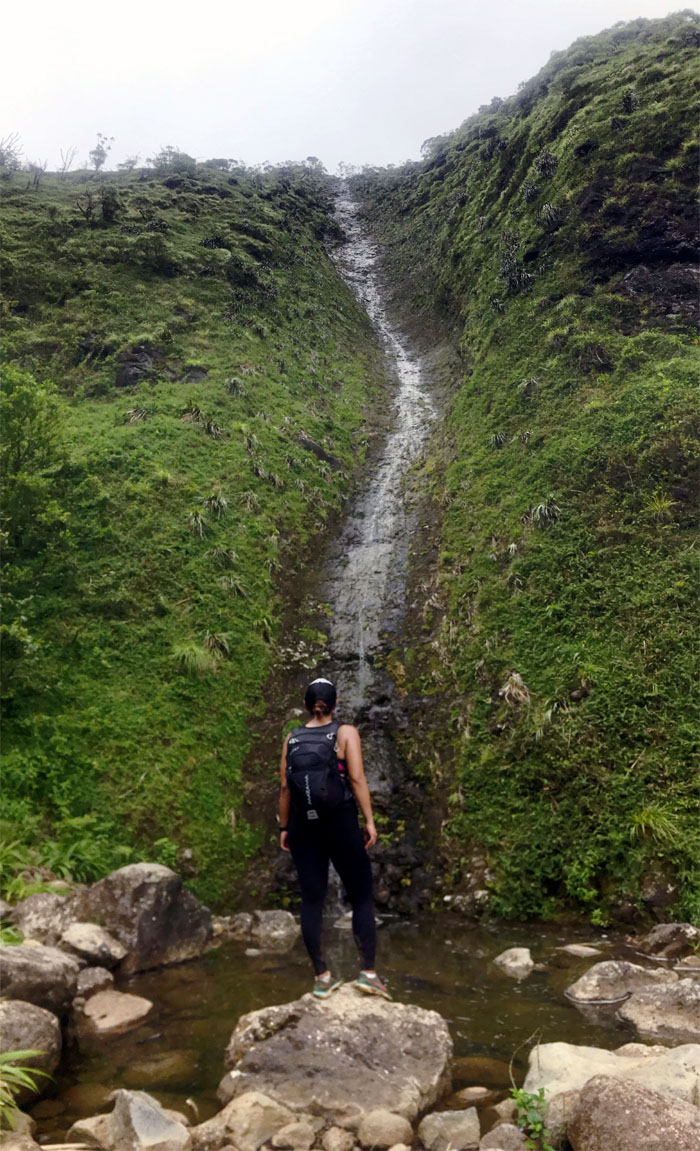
[{"x": 320, "y": 698}]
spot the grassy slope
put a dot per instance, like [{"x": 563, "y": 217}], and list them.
[
  {"x": 568, "y": 534},
  {"x": 108, "y": 744}
]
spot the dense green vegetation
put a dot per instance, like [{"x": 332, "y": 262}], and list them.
[
  {"x": 554, "y": 236},
  {"x": 184, "y": 385}
]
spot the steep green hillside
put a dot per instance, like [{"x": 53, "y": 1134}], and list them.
[
  {"x": 554, "y": 236},
  {"x": 184, "y": 386}
]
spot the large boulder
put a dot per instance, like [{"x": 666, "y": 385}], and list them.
[
  {"x": 671, "y": 1012},
  {"x": 246, "y": 1122},
  {"x": 92, "y": 944},
  {"x": 43, "y": 916},
  {"x": 38, "y": 974},
  {"x": 565, "y": 1067},
  {"x": 450, "y": 1130},
  {"x": 616, "y": 1115},
  {"x": 614, "y": 979},
  {"x": 26, "y": 1027},
  {"x": 112, "y": 1013},
  {"x": 139, "y": 1123},
  {"x": 341, "y": 1057},
  {"x": 668, "y": 941},
  {"x": 147, "y": 909}
]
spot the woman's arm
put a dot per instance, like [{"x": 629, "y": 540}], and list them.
[
  {"x": 352, "y": 754},
  {"x": 284, "y": 798}
]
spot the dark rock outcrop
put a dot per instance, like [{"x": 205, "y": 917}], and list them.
[{"x": 341, "y": 1058}]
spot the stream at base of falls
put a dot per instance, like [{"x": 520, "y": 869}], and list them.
[{"x": 435, "y": 961}]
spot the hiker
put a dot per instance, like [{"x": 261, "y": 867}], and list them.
[{"x": 322, "y": 782}]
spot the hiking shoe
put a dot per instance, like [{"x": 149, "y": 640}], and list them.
[
  {"x": 323, "y": 987},
  {"x": 371, "y": 985}
]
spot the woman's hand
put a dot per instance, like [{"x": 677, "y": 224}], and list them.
[
  {"x": 284, "y": 840},
  {"x": 370, "y": 833}
]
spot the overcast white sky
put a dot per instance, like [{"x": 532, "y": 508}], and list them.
[{"x": 364, "y": 81}]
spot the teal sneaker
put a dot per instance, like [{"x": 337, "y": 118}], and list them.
[
  {"x": 371, "y": 985},
  {"x": 324, "y": 987}
]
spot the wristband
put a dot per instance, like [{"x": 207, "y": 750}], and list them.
[{"x": 285, "y": 828}]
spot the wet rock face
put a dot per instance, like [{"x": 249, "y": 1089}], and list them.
[
  {"x": 41, "y": 975},
  {"x": 628, "y": 1117},
  {"x": 147, "y": 909},
  {"x": 23, "y": 1027},
  {"x": 614, "y": 979},
  {"x": 666, "y": 1012},
  {"x": 134, "y": 365},
  {"x": 342, "y": 1058}
]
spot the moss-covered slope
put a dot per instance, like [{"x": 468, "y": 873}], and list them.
[
  {"x": 554, "y": 235},
  {"x": 209, "y": 374}
]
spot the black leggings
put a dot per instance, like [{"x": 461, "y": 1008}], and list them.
[{"x": 336, "y": 838}]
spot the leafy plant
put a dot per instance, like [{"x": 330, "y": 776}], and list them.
[
  {"x": 197, "y": 523},
  {"x": 217, "y": 502},
  {"x": 191, "y": 659},
  {"x": 545, "y": 513},
  {"x": 14, "y": 1077},
  {"x": 532, "y": 1110}
]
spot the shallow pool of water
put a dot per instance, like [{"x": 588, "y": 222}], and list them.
[{"x": 438, "y": 962}]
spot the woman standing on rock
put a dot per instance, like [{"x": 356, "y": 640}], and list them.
[{"x": 322, "y": 782}]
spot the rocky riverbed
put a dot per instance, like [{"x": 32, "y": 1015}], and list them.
[{"x": 130, "y": 1021}]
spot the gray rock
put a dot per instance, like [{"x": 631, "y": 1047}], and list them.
[
  {"x": 668, "y": 941},
  {"x": 296, "y": 1136},
  {"x": 559, "y": 1114},
  {"x": 274, "y": 930},
  {"x": 139, "y": 1123},
  {"x": 624, "y": 1116},
  {"x": 26, "y": 1027},
  {"x": 113, "y": 1013},
  {"x": 615, "y": 979},
  {"x": 342, "y": 1057},
  {"x": 44, "y": 917},
  {"x": 18, "y": 1141},
  {"x": 92, "y": 980},
  {"x": 516, "y": 961},
  {"x": 93, "y": 944},
  {"x": 147, "y": 909},
  {"x": 505, "y": 1137},
  {"x": 247, "y": 1122},
  {"x": 41, "y": 975},
  {"x": 5, "y": 909},
  {"x": 670, "y": 1012},
  {"x": 337, "y": 1139},
  {"x": 565, "y": 1067},
  {"x": 506, "y": 1110},
  {"x": 95, "y": 1131},
  {"x": 383, "y": 1129},
  {"x": 450, "y": 1130}
]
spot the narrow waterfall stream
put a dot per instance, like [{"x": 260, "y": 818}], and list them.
[{"x": 366, "y": 585}]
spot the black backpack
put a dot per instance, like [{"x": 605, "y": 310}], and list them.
[{"x": 313, "y": 775}]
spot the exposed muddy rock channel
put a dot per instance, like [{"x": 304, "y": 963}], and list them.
[{"x": 366, "y": 573}]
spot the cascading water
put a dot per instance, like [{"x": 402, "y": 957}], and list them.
[{"x": 366, "y": 585}]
